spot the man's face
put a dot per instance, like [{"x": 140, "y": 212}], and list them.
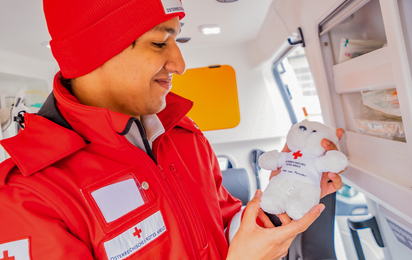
[{"x": 136, "y": 81}]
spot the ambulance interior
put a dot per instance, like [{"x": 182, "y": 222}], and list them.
[{"x": 254, "y": 68}]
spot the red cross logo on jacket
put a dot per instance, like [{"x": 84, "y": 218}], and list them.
[
  {"x": 136, "y": 233},
  {"x": 297, "y": 154},
  {"x": 6, "y": 256}
]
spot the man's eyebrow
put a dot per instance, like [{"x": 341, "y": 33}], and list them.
[{"x": 164, "y": 28}]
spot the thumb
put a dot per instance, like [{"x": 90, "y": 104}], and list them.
[
  {"x": 296, "y": 227},
  {"x": 252, "y": 208},
  {"x": 339, "y": 133},
  {"x": 328, "y": 145},
  {"x": 309, "y": 218}
]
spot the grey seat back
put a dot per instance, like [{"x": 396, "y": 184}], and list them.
[
  {"x": 317, "y": 242},
  {"x": 236, "y": 181}
]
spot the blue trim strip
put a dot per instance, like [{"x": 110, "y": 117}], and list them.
[{"x": 284, "y": 92}]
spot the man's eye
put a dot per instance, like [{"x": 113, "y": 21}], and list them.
[{"x": 159, "y": 45}]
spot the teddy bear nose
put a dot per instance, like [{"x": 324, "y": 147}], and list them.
[{"x": 302, "y": 128}]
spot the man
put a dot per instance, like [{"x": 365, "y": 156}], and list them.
[{"x": 111, "y": 168}]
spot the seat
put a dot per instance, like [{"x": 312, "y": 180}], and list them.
[
  {"x": 317, "y": 242},
  {"x": 236, "y": 181}
]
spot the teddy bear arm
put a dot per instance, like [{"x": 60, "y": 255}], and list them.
[
  {"x": 332, "y": 161},
  {"x": 271, "y": 160},
  {"x": 281, "y": 159}
]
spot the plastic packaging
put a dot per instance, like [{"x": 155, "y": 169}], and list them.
[
  {"x": 351, "y": 48},
  {"x": 385, "y": 101},
  {"x": 388, "y": 129},
  {"x": 375, "y": 123}
]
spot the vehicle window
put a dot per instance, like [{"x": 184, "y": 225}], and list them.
[
  {"x": 224, "y": 163},
  {"x": 299, "y": 87}
]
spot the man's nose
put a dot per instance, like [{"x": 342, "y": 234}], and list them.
[{"x": 175, "y": 64}]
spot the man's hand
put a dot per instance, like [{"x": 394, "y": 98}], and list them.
[
  {"x": 336, "y": 181},
  {"x": 325, "y": 186},
  {"x": 268, "y": 242}
]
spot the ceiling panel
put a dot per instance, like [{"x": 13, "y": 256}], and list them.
[{"x": 23, "y": 27}]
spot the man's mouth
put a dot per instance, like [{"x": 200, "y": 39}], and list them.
[{"x": 166, "y": 83}]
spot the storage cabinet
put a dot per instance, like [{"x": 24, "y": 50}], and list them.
[{"x": 379, "y": 167}]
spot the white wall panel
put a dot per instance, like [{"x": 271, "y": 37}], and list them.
[
  {"x": 264, "y": 120},
  {"x": 15, "y": 64}
]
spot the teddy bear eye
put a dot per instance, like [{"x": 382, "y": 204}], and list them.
[
  {"x": 302, "y": 128},
  {"x": 314, "y": 131}
]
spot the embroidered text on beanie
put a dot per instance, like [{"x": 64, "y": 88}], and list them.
[{"x": 87, "y": 33}]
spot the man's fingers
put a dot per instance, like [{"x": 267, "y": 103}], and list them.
[
  {"x": 330, "y": 187},
  {"x": 328, "y": 145},
  {"x": 339, "y": 133},
  {"x": 274, "y": 173},
  {"x": 265, "y": 219},
  {"x": 284, "y": 218},
  {"x": 286, "y": 149},
  {"x": 309, "y": 218},
  {"x": 336, "y": 180},
  {"x": 252, "y": 208},
  {"x": 342, "y": 171}
]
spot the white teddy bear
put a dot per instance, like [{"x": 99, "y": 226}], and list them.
[{"x": 296, "y": 189}]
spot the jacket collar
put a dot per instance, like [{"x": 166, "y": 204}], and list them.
[
  {"x": 63, "y": 125},
  {"x": 100, "y": 125}
]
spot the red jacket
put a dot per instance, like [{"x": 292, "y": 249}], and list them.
[{"x": 77, "y": 189}]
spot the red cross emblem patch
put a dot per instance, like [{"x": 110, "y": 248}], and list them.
[
  {"x": 137, "y": 232},
  {"x": 297, "y": 155},
  {"x": 15, "y": 250},
  {"x": 6, "y": 256}
]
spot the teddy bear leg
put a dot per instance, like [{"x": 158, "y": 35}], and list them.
[
  {"x": 271, "y": 205},
  {"x": 302, "y": 199},
  {"x": 274, "y": 197}
]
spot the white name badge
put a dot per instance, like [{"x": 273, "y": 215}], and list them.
[
  {"x": 17, "y": 250},
  {"x": 172, "y": 6},
  {"x": 118, "y": 199},
  {"x": 135, "y": 238}
]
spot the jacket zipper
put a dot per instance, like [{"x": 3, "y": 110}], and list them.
[
  {"x": 201, "y": 233},
  {"x": 180, "y": 211}
]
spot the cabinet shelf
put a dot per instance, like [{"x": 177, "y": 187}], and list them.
[
  {"x": 381, "y": 156},
  {"x": 381, "y": 169},
  {"x": 370, "y": 71}
]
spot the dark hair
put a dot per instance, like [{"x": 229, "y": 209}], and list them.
[{"x": 67, "y": 83}]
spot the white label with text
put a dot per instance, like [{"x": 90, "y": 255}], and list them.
[
  {"x": 135, "y": 238},
  {"x": 172, "y": 6}
]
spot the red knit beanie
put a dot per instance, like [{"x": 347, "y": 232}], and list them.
[{"x": 87, "y": 33}]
